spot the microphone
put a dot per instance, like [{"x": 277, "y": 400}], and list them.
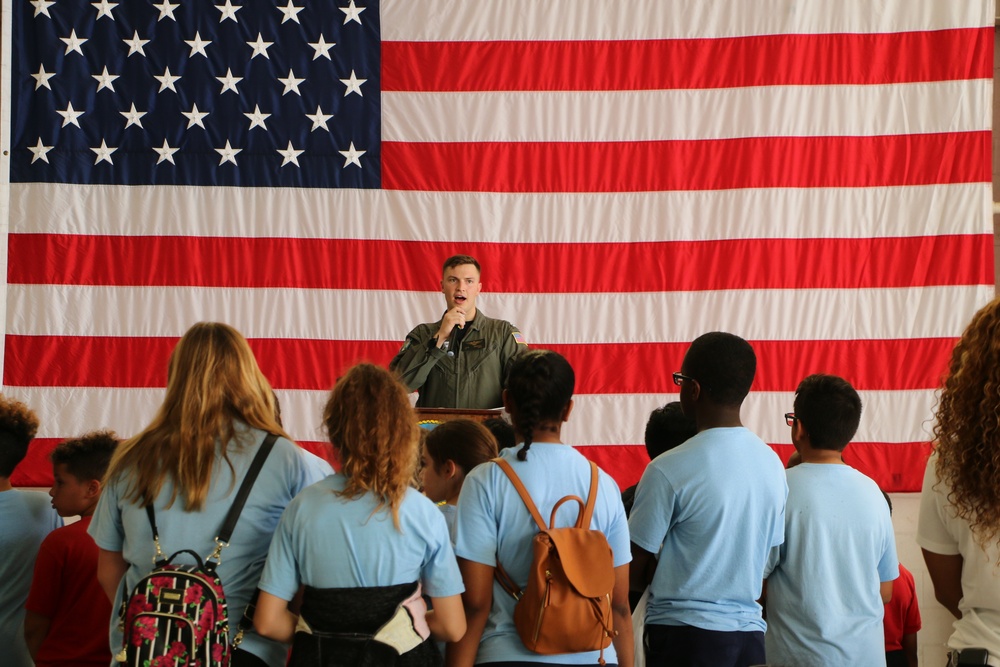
[{"x": 446, "y": 345}]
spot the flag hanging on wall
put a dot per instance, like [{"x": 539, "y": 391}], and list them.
[{"x": 814, "y": 177}]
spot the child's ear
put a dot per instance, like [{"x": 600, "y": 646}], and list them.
[
  {"x": 94, "y": 488},
  {"x": 450, "y": 469}
]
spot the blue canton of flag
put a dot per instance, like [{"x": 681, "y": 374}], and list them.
[{"x": 251, "y": 93}]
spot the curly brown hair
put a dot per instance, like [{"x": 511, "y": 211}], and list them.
[
  {"x": 967, "y": 425},
  {"x": 374, "y": 430},
  {"x": 18, "y": 425}
]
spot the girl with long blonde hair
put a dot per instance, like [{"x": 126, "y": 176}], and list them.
[
  {"x": 363, "y": 542},
  {"x": 959, "y": 523},
  {"x": 188, "y": 463}
]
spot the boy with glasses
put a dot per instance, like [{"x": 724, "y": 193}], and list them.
[
  {"x": 709, "y": 512},
  {"x": 834, "y": 573}
]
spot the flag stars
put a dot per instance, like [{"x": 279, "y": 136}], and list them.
[
  {"x": 291, "y": 155},
  {"x": 322, "y": 48},
  {"x": 228, "y": 153},
  {"x": 104, "y": 9},
  {"x": 259, "y": 47},
  {"x": 105, "y": 80},
  {"x": 70, "y": 115},
  {"x": 352, "y": 156},
  {"x": 167, "y": 12},
  {"x": 257, "y": 118},
  {"x": 40, "y": 152},
  {"x": 352, "y": 13},
  {"x": 73, "y": 43},
  {"x": 133, "y": 117},
  {"x": 166, "y": 153},
  {"x": 104, "y": 152},
  {"x": 167, "y": 80},
  {"x": 42, "y": 7},
  {"x": 291, "y": 12},
  {"x": 291, "y": 83},
  {"x": 228, "y": 11},
  {"x": 353, "y": 84},
  {"x": 195, "y": 117},
  {"x": 229, "y": 81},
  {"x": 42, "y": 78},
  {"x": 197, "y": 45},
  {"x": 319, "y": 119},
  {"x": 135, "y": 44}
]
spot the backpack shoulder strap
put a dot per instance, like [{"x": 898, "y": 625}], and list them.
[
  {"x": 521, "y": 491},
  {"x": 588, "y": 511},
  {"x": 241, "y": 496}
]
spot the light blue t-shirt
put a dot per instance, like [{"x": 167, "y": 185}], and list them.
[
  {"x": 494, "y": 524},
  {"x": 712, "y": 509},
  {"x": 26, "y": 517},
  {"x": 119, "y": 525},
  {"x": 326, "y": 541},
  {"x": 823, "y": 603},
  {"x": 450, "y": 513}
]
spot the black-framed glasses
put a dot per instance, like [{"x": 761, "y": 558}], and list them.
[
  {"x": 790, "y": 418},
  {"x": 680, "y": 378}
]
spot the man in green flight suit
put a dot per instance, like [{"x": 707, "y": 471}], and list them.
[{"x": 459, "y": 361}]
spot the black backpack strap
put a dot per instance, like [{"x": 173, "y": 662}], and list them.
[{"x": 241, "y": 496}]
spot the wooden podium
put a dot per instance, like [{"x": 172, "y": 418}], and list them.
[{"x": 430, "y": 417}]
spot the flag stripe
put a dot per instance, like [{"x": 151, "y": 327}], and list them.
[
  {"x": 889, "y": 416},
  {"x": 465, "y": 217},
  {"x": 614, "y": 368},
  {"x": 718, "y": 113},
  {"x": 763, "y": 162},
  {"x": 627, "y": 317},
  {"x": 525, "y": 20},
  {"x": 581, "y": 267},
  {"x": 727, "y": 62}
]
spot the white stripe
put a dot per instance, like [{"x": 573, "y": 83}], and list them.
[
  {"x": 598, "y": 419},
  {"x": 461, "y": 20},
  {"x": 915, "y": 108},
  {"x": 628, "y": 317},
  {"x": 963, "y": 208}
]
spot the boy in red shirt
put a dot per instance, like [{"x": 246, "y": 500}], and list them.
[{"x": 67, "y": 612}]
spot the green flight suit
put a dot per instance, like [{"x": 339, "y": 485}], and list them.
[{"x": 467, "y": 377}]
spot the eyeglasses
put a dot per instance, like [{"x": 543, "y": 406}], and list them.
[
  {"x": 790, "y": 418},
  {"x": 680, "y": 378}
]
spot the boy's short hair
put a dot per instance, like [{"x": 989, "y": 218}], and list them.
[
  {"x": 88, "y": 456},
  {"x": 502, "y": 431},
  {"x": 724, "y": 366},
  {"x": 667, "y": 428},
  {"x": 459, "y": 260},
  {"x": 829, "y": 409},
  {"x": 18, "y": 425}
]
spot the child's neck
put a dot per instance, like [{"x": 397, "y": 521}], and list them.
[
  {"x": 5, "y": 484},
  {"x": 822, "y": 456}
]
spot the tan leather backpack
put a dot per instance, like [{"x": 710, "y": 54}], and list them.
[{"x": 566, "y": 606}]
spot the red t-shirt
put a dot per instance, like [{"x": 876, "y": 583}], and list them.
[
  {"x": 902, "y": 615},
  {"x": 65, "y": 590}
]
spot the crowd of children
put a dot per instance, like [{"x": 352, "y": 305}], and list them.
[{"x": 737, "y": 562}]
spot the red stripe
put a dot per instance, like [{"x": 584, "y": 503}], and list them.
[
  {"x": 627, "y": 368},
  {"x": 896, "y": 467},
  {"x": 831, "y": 263},
  {"x": 765, "y": 60},
  {"x": 721, "y": 164}
]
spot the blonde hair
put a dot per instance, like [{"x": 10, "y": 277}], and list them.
[
  {"x": 967, "y": 425},
  {"x": 213, "y": 381},
  {"x": 374, "y": 430}
]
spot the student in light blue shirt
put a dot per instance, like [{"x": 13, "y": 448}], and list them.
[
  {"x": 834, "y": 573},
  {"x": 706, "y": 517}
]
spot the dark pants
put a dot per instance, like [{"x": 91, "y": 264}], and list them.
[
  {"x": 245, "y": 659},
  {"x": 687, "y": 646}
]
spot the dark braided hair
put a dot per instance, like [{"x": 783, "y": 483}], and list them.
[{"x": 540, "y": 385}]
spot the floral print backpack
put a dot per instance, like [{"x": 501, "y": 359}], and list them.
[{"x": 176, "y": 615}]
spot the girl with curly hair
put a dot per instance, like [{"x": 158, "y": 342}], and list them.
[
  {"x": 959, "y": 523},
  {"x": 363, "y": 542},
  {"x": 188, "y": 464}
]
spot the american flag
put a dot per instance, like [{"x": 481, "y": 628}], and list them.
[{"x": 814, "y": 177}]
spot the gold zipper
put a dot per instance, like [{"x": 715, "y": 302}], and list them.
[{"x": 545, "y": 603}]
